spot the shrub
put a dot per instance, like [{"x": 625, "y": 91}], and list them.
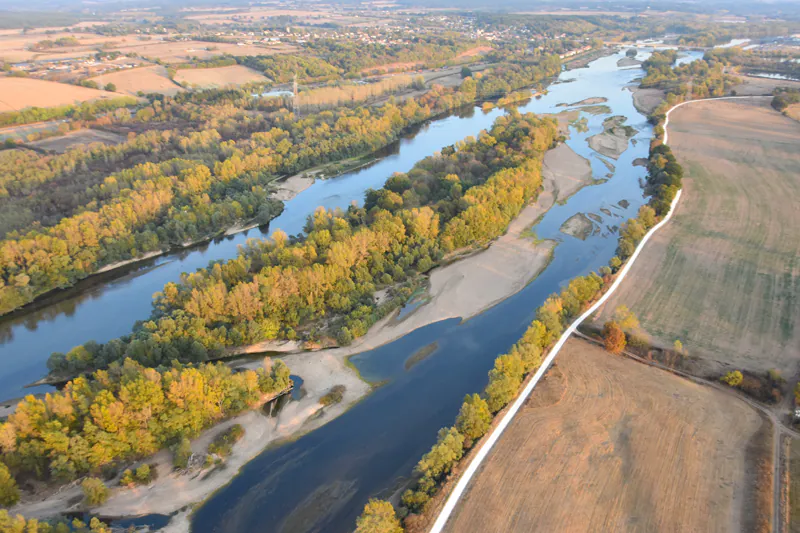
[
  {"x": 378, "y": 517},
  {"x": 144, "y": 475},
  {"x": 95, "y": 491},
  {"x": 613, "y": 338},
  {"x": 223, "y": 443},
  {"x": 181, "y": 453},
  {"x": 733, "y": 378},
  {"x": 127, "y": 479},
  {"x": 9, "y": 493},
  {"x": 334, "y": 396}
]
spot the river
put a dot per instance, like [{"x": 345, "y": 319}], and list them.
[
  {"x": 321, "y": 481},
  {"x": 106, "y": 306}
]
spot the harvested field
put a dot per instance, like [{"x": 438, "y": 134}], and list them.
[
  {"x": 794, "y": 486},
  {"x": 207, "y": 78},
  {"x": 182, "y": 51},
  {"x": 19, "y": 93},
  {"x": 724, "y": 275},
  {"x": 472, "y": 52},
  {"x": 608, "y": 444},
  {"x": 752, "y": 85},
  {"x": 63, "y": 143},
  {"x": 147, "y": 79}
]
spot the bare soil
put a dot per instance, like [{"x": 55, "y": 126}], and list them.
[
  {"x": 608, "y": 444},
  {"x": 647, "y": 100},
  {"x": 207, "y": 78},
  {"x": 146, "y": 79},
  {"x": 19, "y": 93},
  {"x": 724, "y": 275}
]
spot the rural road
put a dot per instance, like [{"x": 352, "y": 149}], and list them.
[{"x": 489, "y": 442}]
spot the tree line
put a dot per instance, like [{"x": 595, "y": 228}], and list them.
[
  {"x": 699, "y": 79},
  {"x": 153, "y": 207},
  {"x": 85, "y": 110}
]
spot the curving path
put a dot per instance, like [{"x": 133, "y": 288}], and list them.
[{"x": 491, "y": 439}]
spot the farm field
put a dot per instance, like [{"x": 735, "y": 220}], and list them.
[
  {"x": 19, "y": 93},
  {"x": 724, "y": 275},
  {"x": 608, "y": 444},
  {"x": 752, "y": 85},
  {"x": 207, "y": 78},
  {"x": 63, "y": 143},
  {"x": 147, "y": 79},
  {"x": 182, "y": 51}
]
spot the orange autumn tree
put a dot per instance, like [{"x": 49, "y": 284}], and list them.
[{"x": 614, "y": 338}]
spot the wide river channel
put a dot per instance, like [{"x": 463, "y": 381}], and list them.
[{"x": 321, "y": 481}]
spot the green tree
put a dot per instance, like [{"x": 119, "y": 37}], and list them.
[
  {"x": 144, "y": 475},
  {"x": 466, "y": 72},
  {"x": 733, "y": 378},
  {"x": 95, "y": 491},
  {"x": 127, "y": 479},
  {"x": 444, "y": 454},
  {"x": 378, "y": 517},
  {"x": 474, "y": 417},
  {"x": 182, "y": 453},
  {"x": 111, "y": 87},
  {"x": 504, "y": 381},
  {"x": 9, "y": 493},
  {"x": 625, "y": 318},
  {"x": 678, "y": 346}
]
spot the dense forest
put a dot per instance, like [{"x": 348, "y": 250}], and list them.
[
  {"x": 698, "y": 79},
  {"x": 84, "y": 110},
  {"x": 284, "y": 287},
  {"x": 778, "y": 62},
  {"x": 124, "y": 413},
  {"x": 182, "y": 199}
]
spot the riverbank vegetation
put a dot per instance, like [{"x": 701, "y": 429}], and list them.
[
  {"x": 97, "y": 424},
  {"x": 18, "y": 523},
  {"x": 197, "y": 185},
  {"x": 510, "y": 369},
  {"x": 322, "y": 283}
]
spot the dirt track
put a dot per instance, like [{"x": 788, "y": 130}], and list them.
[{"x": 606, "y": 444}]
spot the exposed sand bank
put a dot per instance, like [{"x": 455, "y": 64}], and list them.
[
  {"x": 647, "y": 100},
  {"x": 614, "y": 139},
  {"x": 119, "y": 264},
  {"x": 628, "y": 62},
  {"x": 293, "y": 186}
]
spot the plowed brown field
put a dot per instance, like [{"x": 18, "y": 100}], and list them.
[{"x": 608, "y": 444}]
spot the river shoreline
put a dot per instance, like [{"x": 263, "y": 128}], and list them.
[{"x": 564, "y": 172}]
